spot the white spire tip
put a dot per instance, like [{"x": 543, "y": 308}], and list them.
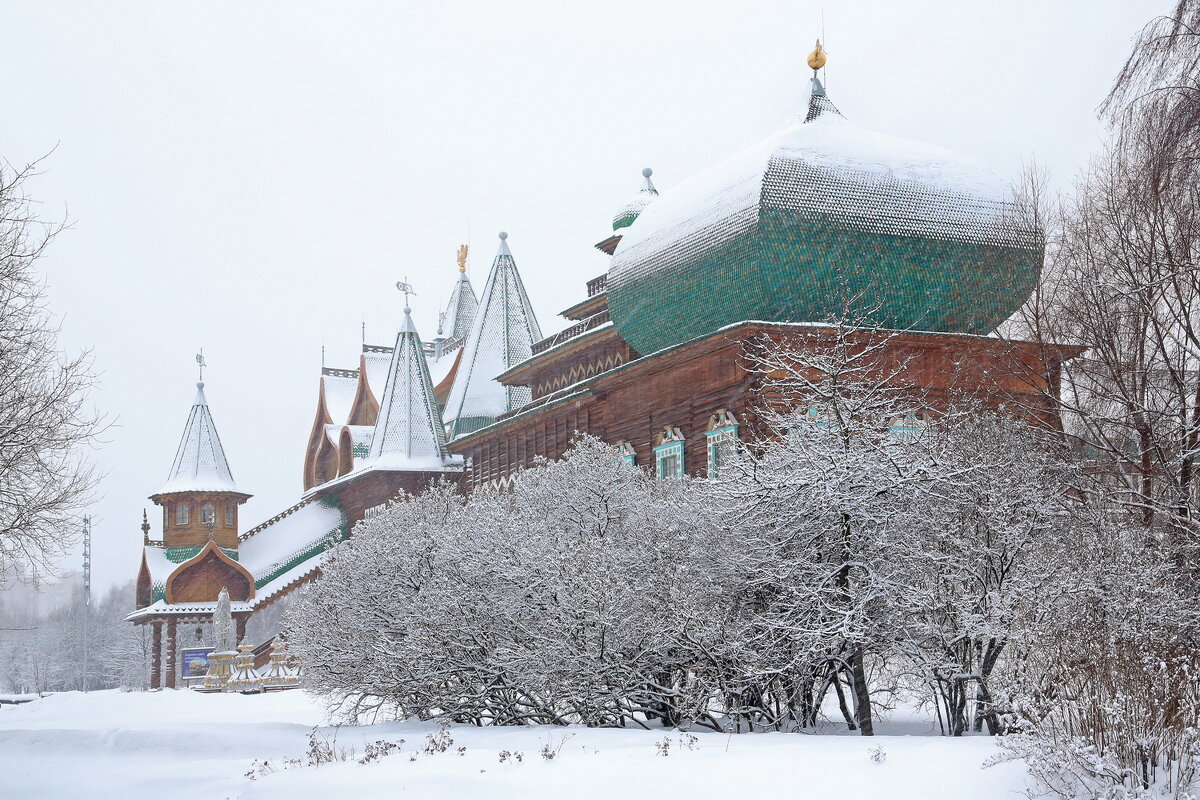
[
  {"x": 647, "y": 172},
  {"x": 503, "y": 235}
]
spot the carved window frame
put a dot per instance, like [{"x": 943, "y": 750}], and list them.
[
  {"x": 669, "y": 454},
  {"x": 721, "y": 437}
]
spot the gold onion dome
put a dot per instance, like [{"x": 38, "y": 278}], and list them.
[{"x": 823, "y": 218}]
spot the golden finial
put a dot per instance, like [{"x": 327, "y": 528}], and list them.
[
  {"x": 816, "y": 59},
  {"x": 462, "y": 258}
]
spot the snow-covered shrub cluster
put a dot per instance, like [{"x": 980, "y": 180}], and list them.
[{"x": 862, "y": 546}]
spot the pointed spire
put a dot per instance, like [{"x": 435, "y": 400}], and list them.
[
  {"x": 455, "y": 321},
  {"x": 627, "y": 213},
  {"x": 200, "y": 463},
  {"x": 408, "y": 431},
  {"x": 503, "y": 334},
  {"x": 647, "y": 184},
  {"x": 818, "y": 102}
]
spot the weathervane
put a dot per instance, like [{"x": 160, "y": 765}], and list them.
[
  {"x": 406, "y": 287},
  {"x": 462, "y": 257},
  {"x": 201, "y": 363}
]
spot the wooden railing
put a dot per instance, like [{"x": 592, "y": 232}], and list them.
[{"x": 594, "y": 321}]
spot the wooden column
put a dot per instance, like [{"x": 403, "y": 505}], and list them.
[
  {"x": 156, "y": 655},
  {"x": 171, "y": 649},
  {"x": 241, "y": 627}
]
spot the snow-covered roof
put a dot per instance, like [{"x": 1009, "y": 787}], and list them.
[
  {"x": 159, "y": 607},
  {"x": 159, "y": 565},
  {"x": 439, "y": 368},
  {"x": 629, "y": 212},
  {"x": 376, "y": 364},
  {"x": 339, "y": 396},
  {"x": 200, "y": 463},
  {"x": 943, "y": 189},
  {"x": 455, "y": 322},
  {"x": 271, "y": 549},
  {"x": 503, "y": 334},
  {"x": 408, "y": 431},
  {"x": 825, "y": 218}
]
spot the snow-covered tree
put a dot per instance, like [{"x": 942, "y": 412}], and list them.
[
  {"x": 815, "y": 501},
  {"x": 46, "y": 652},
  {"x": 223, "y": 632},
  {"x": 44, "y": 420},
  {"x": 976, "y": 560}
]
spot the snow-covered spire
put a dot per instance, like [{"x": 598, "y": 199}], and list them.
[
  {"x": 408, "y": 431},
  {"x": 503, "y": 334},
  {"x": 818, "y": 102},
  {"x": 200, "y": 463},
  {"x": 455, "y": 321},
  {"x": 627, "y": 213}
]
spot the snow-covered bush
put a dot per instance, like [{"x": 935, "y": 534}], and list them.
[{"x": 556, "y": 600}]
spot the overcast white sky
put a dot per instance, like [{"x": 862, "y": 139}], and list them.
[{"x": 252, "y": 178}]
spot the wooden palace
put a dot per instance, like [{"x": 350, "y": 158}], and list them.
[{"x": 822, "y": 219}]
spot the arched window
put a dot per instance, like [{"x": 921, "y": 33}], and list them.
[
  {"x": 182, "y": 514},
  {"x": 208, "y": 514},
  {"x": 229, "y": 515}
]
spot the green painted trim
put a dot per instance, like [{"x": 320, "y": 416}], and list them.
[
  {"x": 178, "y": 555},
  {"x": 331, "y": 537}
]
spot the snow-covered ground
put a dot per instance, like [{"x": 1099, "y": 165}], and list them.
[{"x": 182, "y": 745}]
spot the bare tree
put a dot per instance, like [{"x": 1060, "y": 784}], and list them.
[
  {"x": 1109, "y": 705},
  {"x": 44, "y": 421}
]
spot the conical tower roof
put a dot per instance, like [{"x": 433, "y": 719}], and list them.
[
  {"x": 502, "y": 335},
  {"x": 456, "y": 320},
  {"x": 200, "y": 463},
  {"x": 408, "y": 432}
]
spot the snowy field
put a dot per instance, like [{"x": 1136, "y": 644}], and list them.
[{"x": 181, "y": 745}]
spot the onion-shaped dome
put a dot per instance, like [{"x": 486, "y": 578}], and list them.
[
  {"x": 822, "y": 220},
  {"x": 627, "y": 213}
]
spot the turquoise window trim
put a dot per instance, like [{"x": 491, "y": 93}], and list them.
[
  {"x": 814, "y": 417},
  {"x": 714, "y": 439},
  {"x": 907, "y": 428},
  {"x": 663, "y": 453}
]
